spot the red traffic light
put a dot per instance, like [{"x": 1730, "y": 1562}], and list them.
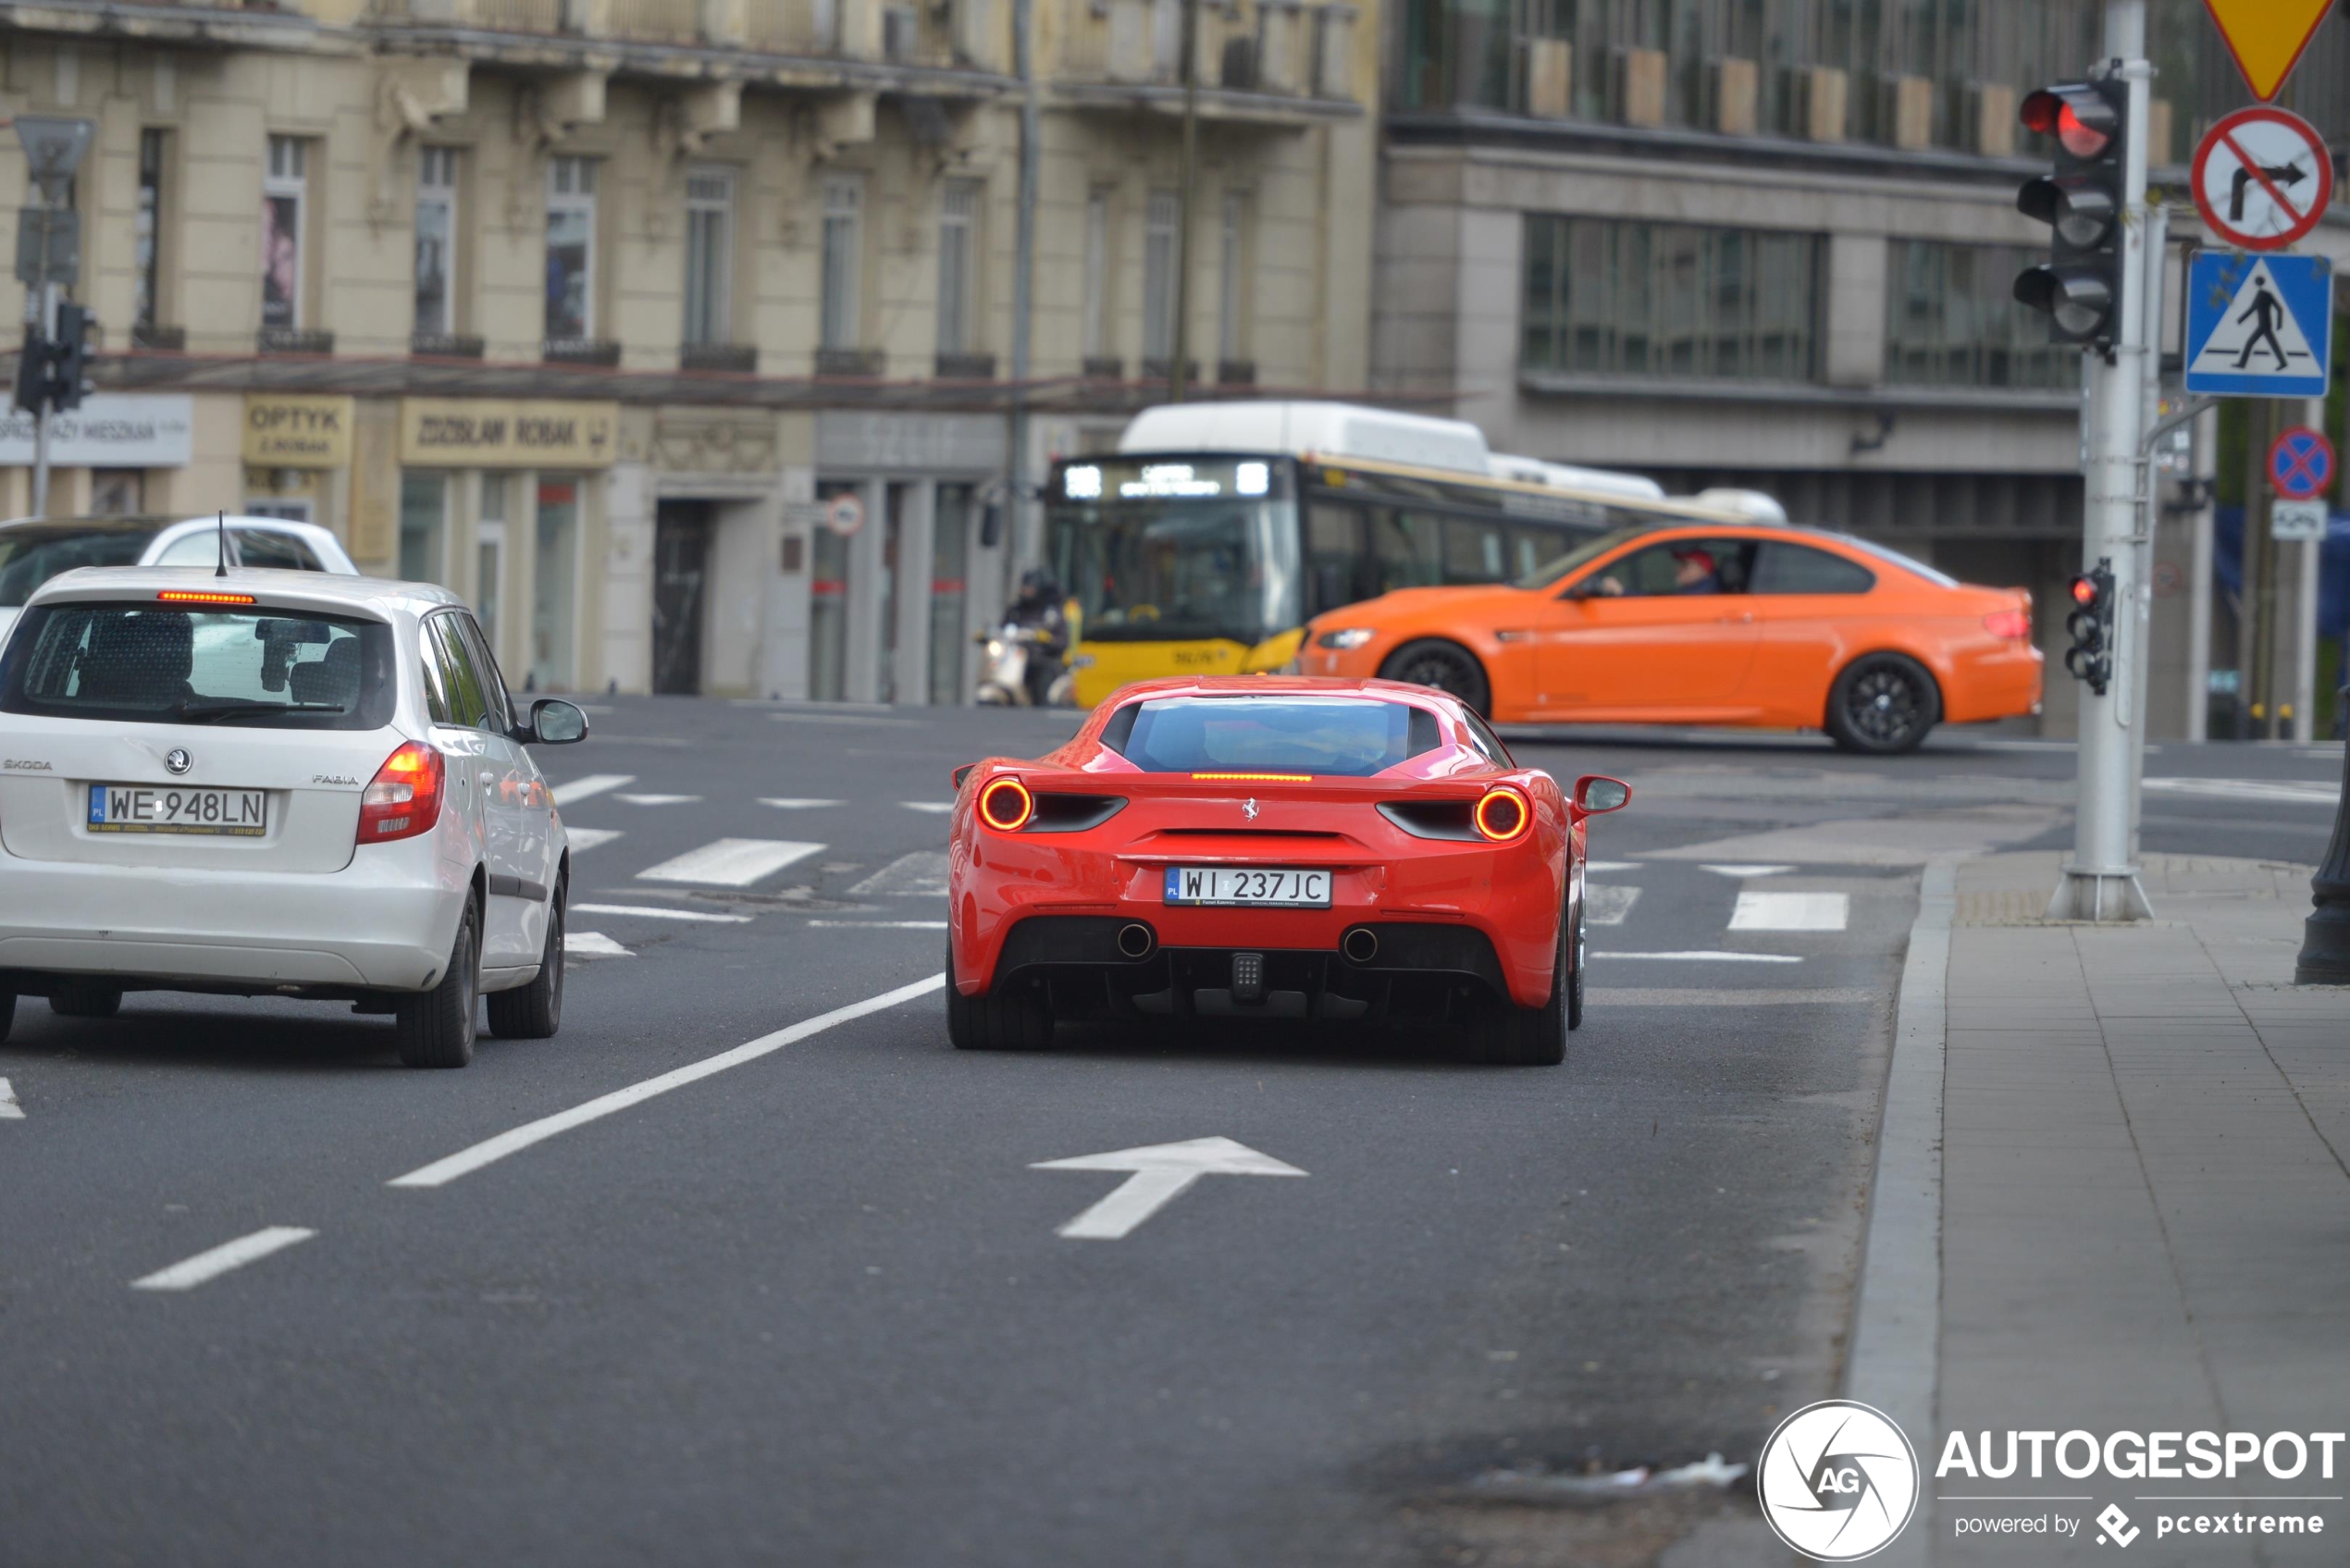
[
  {"x": 2086, "y": 590},
  {"x": 2077, "y": 115}
]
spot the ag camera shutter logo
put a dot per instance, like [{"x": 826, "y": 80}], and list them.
[{"x": 1839, "y": 1481}]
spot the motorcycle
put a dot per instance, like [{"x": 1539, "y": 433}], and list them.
[{"x": 1003, "y": 668}]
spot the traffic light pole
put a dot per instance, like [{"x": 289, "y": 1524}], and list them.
[
  {"x": 2100, "y": 883},
  {"x": 47, "y": 323}
]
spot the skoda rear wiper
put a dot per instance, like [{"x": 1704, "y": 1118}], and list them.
[{"x": 207, "y": 712}]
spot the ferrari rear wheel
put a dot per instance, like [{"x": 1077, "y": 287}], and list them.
[
  {"x": 1883, "y": 705},
  {"x": 1447, "y": 666},
  {"x": 1510, "y": 1035},
  {"x": 1574, "y": 981},
  {"x": 1020, "y": 1019}
]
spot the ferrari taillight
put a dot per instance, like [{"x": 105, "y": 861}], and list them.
[
  {"x": 403, "y": 799},
  {"x": 1502, "y": 815},
  {"x": 1005, "y": 805}
]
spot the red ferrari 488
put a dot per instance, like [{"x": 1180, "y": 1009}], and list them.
[{"x": 1272, "y": 847}]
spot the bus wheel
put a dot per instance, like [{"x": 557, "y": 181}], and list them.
[{"x": 1447, "y": 666}]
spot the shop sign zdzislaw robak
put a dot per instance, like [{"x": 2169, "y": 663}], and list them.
[
  {"x": 109, "y": 430},
  {"x": 496, "y": 433},
  {"x": 298, "y": 430}
]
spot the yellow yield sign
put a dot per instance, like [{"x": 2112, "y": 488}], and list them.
[{"x": 2267, "y": 37}]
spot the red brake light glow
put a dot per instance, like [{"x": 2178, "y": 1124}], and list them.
[
  {"x": 1502, "y": 815},
  {"x": 1252, "y": 778},
  {"x": 404, "y": 797},
  {"x": 191, "y": 596},
  {"x": 2010, "y": 624},
  {"x": 1005, "y": 805}
]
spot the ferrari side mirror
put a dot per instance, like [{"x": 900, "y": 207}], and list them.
[
  {"x": 1595, "y": 792},
  {"x": 963, "y": 773}
]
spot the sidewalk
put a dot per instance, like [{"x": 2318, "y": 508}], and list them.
[{"x": 2143, "y": 1203}]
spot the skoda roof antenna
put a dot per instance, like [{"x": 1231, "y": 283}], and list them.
[{"x": 222, "y": 570}]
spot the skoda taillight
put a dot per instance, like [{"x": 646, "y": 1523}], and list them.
[{"x": 403, "y": 799}]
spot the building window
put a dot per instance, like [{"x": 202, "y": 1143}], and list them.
[
  {"x": 1160, "y": 227},
  {"x": 424, "y": 523},
  {"x": 1951, "y": 320},
  {"x": 1231, "y": 270},
  {"x": 1093, "y": 325},
  {"x": 1608, "y": 297},
  {"x": 437, "y": 240},
  {"x": 147, "y": 233},
  {"x": 571, "y": 249},
  {"x": 284, "y": 195},
  {"x": 844, "y": 247},
  {"x": 958, "y": 265},
  {"x": 709, "y": 254}
]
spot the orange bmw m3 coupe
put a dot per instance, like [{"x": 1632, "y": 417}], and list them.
[{"x": 1765, "y": 625}]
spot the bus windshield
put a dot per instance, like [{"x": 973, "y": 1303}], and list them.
[{"x": 1167, "y": 570}]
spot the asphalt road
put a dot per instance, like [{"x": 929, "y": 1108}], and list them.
[{"x": 811, "y": 1308}]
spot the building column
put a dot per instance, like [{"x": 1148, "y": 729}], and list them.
[
  {"x": 630, "y": 504},
  {"x": 916, "y": 538},
  {"x": 862, "y": 678}
]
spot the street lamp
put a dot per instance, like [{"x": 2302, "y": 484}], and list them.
[{"x": 2325, "y": 950}]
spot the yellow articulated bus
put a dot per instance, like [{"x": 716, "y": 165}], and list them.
[{"x": 1217, "y": 530}]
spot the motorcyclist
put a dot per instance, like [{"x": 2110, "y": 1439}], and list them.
[{"x": 1038, "y": 609}]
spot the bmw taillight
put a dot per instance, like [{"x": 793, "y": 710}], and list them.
[
  {"x": 2013, "y": 625},
  {"x": 1005, "y": 805},
  {"x": 1503, "y": 815},
  {"x": 403, "y": 799}
]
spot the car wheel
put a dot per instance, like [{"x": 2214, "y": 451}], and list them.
[
  {"x": 1021, "y": 1021},
  {"x": 436, "y": 1029},
  {"x": 1447, "y": 666},
  {"x": 1575, "y": 982},
  {"x": 535, "y": 1011},
  {"x": 85, "y": 999},
  {"x": 1883, "y": 705},
  {"x": 1509, "y": 1035},
  {"x": 7, "y": 1012}
]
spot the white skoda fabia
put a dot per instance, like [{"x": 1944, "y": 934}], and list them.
[{"x": 277, "y": 783}]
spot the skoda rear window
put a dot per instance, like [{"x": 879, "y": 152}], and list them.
[
  {"x": 1343, "y": 737},
  {"x": 247, "y": 668}
]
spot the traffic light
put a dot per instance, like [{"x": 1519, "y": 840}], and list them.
[
  {"x": 32, "y": 372},
  {"x": 2079, "y": 288},
  {"x": 2091, "y": 656},
  {"x": 69, "y": 358}
]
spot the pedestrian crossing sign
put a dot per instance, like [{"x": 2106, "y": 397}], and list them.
[{"x": 2259, "y": 327}]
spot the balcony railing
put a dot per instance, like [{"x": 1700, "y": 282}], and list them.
[
  {"x": 445, "y": 345},
  {"x": 294, "y": 340},
  {"x": 599, "y": 351},
  {"x": 741, "y": 359},
  {"x": 1272, "y": 46},
  {"x": 966, "y": 366},
  {"x": 868, "y": 363}
]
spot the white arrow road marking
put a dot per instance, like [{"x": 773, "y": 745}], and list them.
[
  {"x": 1161, "y": 1173},
  {"x": 9, "y": 1109},
  {"x": 704, "y": 917},
  {"x": 1707, "y": 955},
  {"x": 594, "y": 783},
  {"x": 489, "y": 1152},
  {"x": 731, "y": 862},
  {"x": 588, "y": 838},
  {"x": 794, "y": 803},
  {"x": 658, "y": 799},
  {"x": 593, "y": 945},
  {"x": 941, "y": 807},
  {"x": 194, "y": 1271},
  {"x": 1608, "y": 906},
  {"x": 1746, "y": 870},
  {"x": 1792, "y": 911}
]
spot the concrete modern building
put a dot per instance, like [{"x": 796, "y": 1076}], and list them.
[
  {"x": 679, "y": 334},
  {"x": 1770, "y": 243}
]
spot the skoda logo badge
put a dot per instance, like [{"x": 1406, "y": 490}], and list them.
[
  {"x": 178, "y": 761},
  {"x": 1248, "y": 809}
]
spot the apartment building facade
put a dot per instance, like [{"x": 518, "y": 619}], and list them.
[
  {"x": 677, "y": 335},
  {"x": 1770, "y": 243}
]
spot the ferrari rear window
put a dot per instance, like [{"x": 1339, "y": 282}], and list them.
[{"x": 1345, "y": 736}]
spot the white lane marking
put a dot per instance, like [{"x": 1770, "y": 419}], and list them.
[
  {"x": 941, "y": 807},
  {"x": 443, "y": 1171},
  {"x": 1608, "y": 906},
  {"x": 658, "y": 799},
  {"x": 588, "y": 838},
  {"x": 9, "y": 1109},
  {"x": 881, "y": 925},
  {"x": 594, "y": 783},
  {"x": 1743, "y": 871},
  {"x": 732, "y": 862},
  {"x": 593, "y": 945},
  {"x": 794, "y": 803},
  {"x": 1161, "y": 1174},
  {"x": 1693, "y": 997},
  {"x": 1792, "y": 911},
  {"x": 2252, "y": 789},
  {"x": 1708, "y": 955},
  {"x": 1611, "y": 865},
  {"x": 921, "y": 874},
  {"x": 844, "y": 719},
  {"x": 703, "y": 915},
  {"x": 194, "y": 1271}
]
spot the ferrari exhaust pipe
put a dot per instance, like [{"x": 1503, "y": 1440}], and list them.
[
  {"x": 1136, "y": 940},
  {"x": 1360, "y": 946}
]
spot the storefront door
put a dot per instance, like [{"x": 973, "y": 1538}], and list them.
[{"x": 681, "y": 554}]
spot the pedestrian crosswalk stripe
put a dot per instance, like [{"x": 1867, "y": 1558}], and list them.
[
  {"x": 1697, "y": 956},
  {"x": 593, "y": 945},
  {"x": 731, "y": 862},
  {"x": 594, "y": 783},
  {"x": 1744, "y": 871},
  {"x": 1791, "y": 911},
  {"x": 919, "y": 875},
  {"x": 1596, "y": 867},
  {"x": 1608, "y": 906},
  {"x": 588, "y": 838},
  {"x": 881, "y": 925},
  {"x": 941, "y": 807},
  {"x": 702, "y": 917},
  {"x": 2274, "y": 790},
  {"x": 793, "y": 803},
  {"x": 9, "y": 1109},
  {"x": 658, "y": 799}
]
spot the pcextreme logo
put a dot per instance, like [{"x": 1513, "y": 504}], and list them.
[{"x": 1839, "y": 1481}]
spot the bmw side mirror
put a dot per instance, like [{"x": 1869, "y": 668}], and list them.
[
  {"x": 1595, "y": 792},
  {"x": 554, "y": 721}
]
